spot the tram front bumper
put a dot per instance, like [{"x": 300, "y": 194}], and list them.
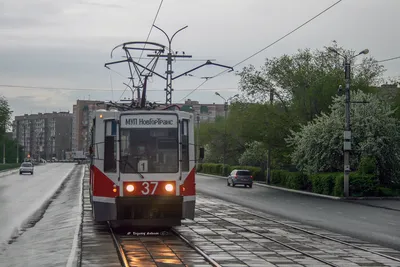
[{"x": 159, "y": 209}]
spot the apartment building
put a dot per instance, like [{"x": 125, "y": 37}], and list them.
[
  {"x": 81, "y": 123},
  {"x": 44, "y": 135},
  {"x": 206, "y": 112}
]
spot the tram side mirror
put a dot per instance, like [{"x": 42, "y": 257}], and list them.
[{"x": 201, "y": 153}]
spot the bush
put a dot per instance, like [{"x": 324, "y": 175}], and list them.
[
  {"x": 388, "y": 192},
  {"x": 323, "y": 183},
  {"x": 9, "y": 166},
  {"x": 292, "y": 180},
  {"x": 211, "y": 168},
  {"x": 217, "y": 169},
  {"x": 361, "y": 184},
  {"x": 368, "y": 165}
]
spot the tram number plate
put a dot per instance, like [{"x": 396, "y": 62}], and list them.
[{"x": 148, "y": 188}]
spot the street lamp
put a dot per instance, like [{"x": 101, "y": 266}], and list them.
[
  {"x": 225, "y": 111},
  {"x": 347, "y": 131}
]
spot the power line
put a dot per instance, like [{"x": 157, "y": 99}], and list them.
[
  {"x": 100, "y": 89},
  {"x": 148, "y": 36},
  {"x": 151, "y": 27},
  {"x": 258, "y": 52}
]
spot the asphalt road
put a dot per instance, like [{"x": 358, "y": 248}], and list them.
[{"x": 371, "y": 224}]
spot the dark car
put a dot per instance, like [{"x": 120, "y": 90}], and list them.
[{"x": 242, "y": 177}]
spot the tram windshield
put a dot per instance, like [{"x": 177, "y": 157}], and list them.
[{"x": 153, "y": 150}]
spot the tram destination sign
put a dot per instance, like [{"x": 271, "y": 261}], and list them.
[{"x": 149, "y": 121}]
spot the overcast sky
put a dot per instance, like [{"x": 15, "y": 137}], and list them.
[{"x": 65, "y": 43}]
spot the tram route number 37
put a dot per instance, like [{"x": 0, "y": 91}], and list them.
[
  {"x": 149, "y": 186},
  {"x": 152, "y": 187}
]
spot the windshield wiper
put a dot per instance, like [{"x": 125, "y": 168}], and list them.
[{"x": 134, "y": 169}]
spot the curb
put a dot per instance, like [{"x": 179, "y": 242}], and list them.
[
  {"x": 348, "y": 199},
  {"x": 8, "y": 172},
  {"x": 281, "y": 188}
]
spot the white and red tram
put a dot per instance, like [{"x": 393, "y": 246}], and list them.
[{"x": 143, "y": 167}]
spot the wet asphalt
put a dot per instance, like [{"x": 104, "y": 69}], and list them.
[{"x": 48, "y": 239}]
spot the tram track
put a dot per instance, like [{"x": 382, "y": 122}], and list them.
[
  {"x": 272, "y": 239},
  {"x": 241, "y": 217},
  {"x": 172, "y": 248},
  {"x": 318, "y": 235}
]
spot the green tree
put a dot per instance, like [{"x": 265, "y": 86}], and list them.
[
  {"x": 318, "y": 146},
  {"x": 5, "y": 122},
  {"x": 306, "y": 81},
  {"x": 5, "y": 116},
  {"x": 11, "y": 151},
  {"x": 254, "y": 155}
]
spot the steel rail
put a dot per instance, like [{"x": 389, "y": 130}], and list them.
[
  {"x": 316, "y": 234},
  {"x": 198, "y": 250},
  {"x": 272, "y": 239},
  {"x": 121, "y": 253}
]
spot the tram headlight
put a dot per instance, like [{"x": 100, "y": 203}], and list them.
[
  {"x": 130, "y": 188},
  {"x": 169, "y": 187}
]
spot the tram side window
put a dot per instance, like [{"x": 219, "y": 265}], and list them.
[
  {"x": 185, "y": 144},
  {"x": 110, "y": 147},
  {"x": 93, "y": 147}
]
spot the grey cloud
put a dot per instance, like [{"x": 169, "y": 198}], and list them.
[
  {"x": 228, "y": 32},
  {"x": 28, "y": 14},
  {"x": 12, "y": 22},
  {"x": 93, "y": 3}
]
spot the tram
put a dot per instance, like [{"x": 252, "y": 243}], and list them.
[{"x": 142, "y": 170}]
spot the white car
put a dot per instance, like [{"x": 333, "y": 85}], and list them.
[{"x": 26, "y": 167}]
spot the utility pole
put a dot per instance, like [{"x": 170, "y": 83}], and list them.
[
  {"x": 198, "y": 136},
  {"x": 347, "y": 130},
  {"x": 17, "y": 160},
  {"x": 169, "y": 72},
  {"x": 24, "y": 139},
  {"x": 271, "y": 100},
  {"x": 4, "y": 150},
  {"x": 225, "y": 118},
  {"x": 4, "y": 144}
]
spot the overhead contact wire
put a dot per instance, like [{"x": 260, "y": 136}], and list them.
[{"x": 268, "y": 46}]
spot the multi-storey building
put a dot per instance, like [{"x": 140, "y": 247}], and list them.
[
  {"x": 206, "y": 112},
  {"x": 44, "y": 135},
  {"x": 81, "y": 123}
]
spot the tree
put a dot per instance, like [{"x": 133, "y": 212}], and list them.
[
  {"x": 11, "y": 151},
  {"x": 254, "y": 155},
  {"x": 5, "y": 115},
  {"x": 306, "y": 81},
  {"x": 318, "y": 146}
]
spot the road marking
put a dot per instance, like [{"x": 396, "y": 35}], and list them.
[
  {"x": 391, "y": 223},
  {"x": 339, "y": 212},
  {"x": 320, "y": 208},
  {"x": 363, "y": 218}
]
